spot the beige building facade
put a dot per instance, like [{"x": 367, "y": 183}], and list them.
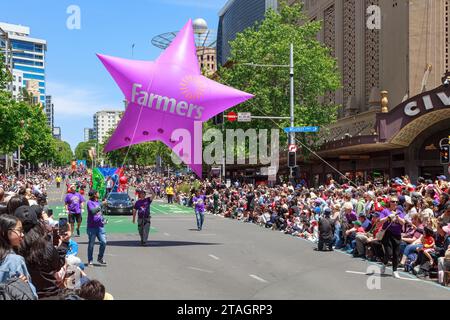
[
  {"x": 207, "y": 59},
  {"x": 395, "y": 109},
  {"x": 413, "y": 37}
]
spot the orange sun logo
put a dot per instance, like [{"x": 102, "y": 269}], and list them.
[{"x": 192, "y": 87}]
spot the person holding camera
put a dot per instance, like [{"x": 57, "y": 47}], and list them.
[
  {"x": 393, "y": 219},
  {"x": 96, "y": 228}
]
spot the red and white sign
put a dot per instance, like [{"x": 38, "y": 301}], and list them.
[
  {"x": 232, "y": 116},
  {"x": 292, "y": 148}
]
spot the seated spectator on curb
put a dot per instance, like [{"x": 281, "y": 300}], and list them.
[
  {"x": 43, "y": 259},
  {"x": 444, "y": 262},
  {"x": 12, "y": 265},
  {"x": 94, "y": 290},
  {"x": 367, "y": 240}
]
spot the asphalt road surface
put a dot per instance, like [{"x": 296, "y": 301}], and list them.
[{"x": 234, "y": 260}]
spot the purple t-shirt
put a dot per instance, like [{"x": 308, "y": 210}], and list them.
[
  {"x": 351, "y": 217},
  {"x": 200, "y": 207},
  {"x": 394, "y": 228},
  {"x": 95, "y": 218},
  {"x": 143, "y": 207},
  {"x": 73, "y": 201}
]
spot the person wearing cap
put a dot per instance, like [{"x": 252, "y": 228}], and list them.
[
  {"x": 142, "y": 209},
  {"x": 350, "y": 235},
  {"x": 326, "y": 231},
  {"x": 365, "y": 240},
  {"x": 393, "y": 220},
  {"x": 74, "y": 207}
]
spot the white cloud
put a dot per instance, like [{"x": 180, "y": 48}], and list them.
[{"x": 77, "y": 101}]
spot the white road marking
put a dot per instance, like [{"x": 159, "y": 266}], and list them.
[
  {"x": 119, "y": 221},
  {"x": 356, "y": 272},
  {"x": 166, "y": 234},
  {"x": 201, "y": 270},
  {"x": 214, "y": 257},
  {"x": 371, "y": 274},
  {"x": 257, "y": 278}
]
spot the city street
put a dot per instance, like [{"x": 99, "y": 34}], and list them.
[{"x": 234, "y": 260}]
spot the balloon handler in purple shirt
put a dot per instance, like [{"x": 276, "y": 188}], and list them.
[
  {"x": 199, "y": 205},
  {"x": 96, "y": 228},
  {"x": 142, "y": 208},
  {"x": 74, "y": 207},
  {"x": 394, "y": 220}
]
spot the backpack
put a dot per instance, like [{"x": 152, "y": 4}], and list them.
[{"x": 16, "y": 289}]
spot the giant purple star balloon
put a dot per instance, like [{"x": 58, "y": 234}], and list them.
[{"x": 167, "y": 95}]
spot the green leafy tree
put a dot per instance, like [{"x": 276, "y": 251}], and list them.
[
  {"x": 143, "y": 154},
  {"x": 268, "y": 43},
  {"x": 25, "y": 126},
  {"x": 82, "y": 151},
  {"x": 5, "y": 74},
  {"x": 64, "y": 153}
]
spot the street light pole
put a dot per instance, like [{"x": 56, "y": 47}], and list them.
[
  {"x": 18, "y": 167},
  {"x": 292, "y": 134}
]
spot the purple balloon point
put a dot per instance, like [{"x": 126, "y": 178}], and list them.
[{"x": 171, "y": 94}]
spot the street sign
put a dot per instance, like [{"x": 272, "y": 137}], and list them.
[
  {"x": 302, "y": 129},
  {"x": 292, "y": 148},
  {"x": 232, "y": 116},
  {"x": 244, "y": 117}
]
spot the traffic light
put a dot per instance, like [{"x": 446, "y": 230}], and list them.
[
  {"x": 445, "y": 157},
  {"x": 292, "y": 159},
  {"x": 218, "y": 120}
]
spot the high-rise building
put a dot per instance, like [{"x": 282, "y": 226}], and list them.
[
  {"x": 89, "y": 134},
  {"x": 50, "y": 112},
  {"x": 235, "y": 17},
  {"x": 17, "y": 84},
  {"x": 104, "y": 121},
  {"x": 27, "y": 57},
  {"x": 57, "y": 133}
]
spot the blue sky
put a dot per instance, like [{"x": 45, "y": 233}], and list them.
[{"x": 76, "y": 79}]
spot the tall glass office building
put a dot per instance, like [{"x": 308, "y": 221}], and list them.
[
  {"x": 28, "y": 56},
  {"x": 235, "y": 17}
]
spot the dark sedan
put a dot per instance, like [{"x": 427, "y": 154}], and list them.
[{"x": 119, "y": 204}]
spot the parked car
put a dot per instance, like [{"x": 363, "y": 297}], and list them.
[{"x": 119, "y": 204}]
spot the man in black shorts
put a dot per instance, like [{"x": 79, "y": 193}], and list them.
[{"x": 74, "y": 207}]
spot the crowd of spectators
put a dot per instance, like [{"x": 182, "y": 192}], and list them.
[
  {"x": 400, "y": 223},
  {"x": 38, "y": 256}
]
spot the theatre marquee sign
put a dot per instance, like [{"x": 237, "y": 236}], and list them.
[{"x": 428, "y": 102}]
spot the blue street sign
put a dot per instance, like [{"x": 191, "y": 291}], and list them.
[{"x": 302, "y": 129}]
